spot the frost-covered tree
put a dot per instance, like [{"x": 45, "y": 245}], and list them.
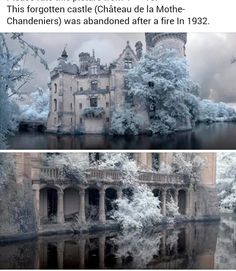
[
  {"x": 142, "y": 211},
  {"x": 226, "y": 181},
  {"x": 13, "y": 77},
  {"x": 72, "y": 165},
  {"x": 36, "y": 107},
  {"x": 210, "y": 111},
  {"x": 188, "y": 164},
  {"x": 161, "y": 82},
  {"x": 125, "y": 121}
]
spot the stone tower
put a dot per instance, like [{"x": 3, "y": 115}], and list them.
[{"x": 169, "y": 40}]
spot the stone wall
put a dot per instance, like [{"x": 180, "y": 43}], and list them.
[{"x": 17, "y": 213}]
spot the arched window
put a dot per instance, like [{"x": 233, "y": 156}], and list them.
[{"x": 55, "y": 105}]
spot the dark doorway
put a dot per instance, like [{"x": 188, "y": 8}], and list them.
[
  {"x": 182, "y": 202},
  {"x": 52, "y": 202},
  {"x": 92, "y": 206},
  {"x": 111, "y": 196}
]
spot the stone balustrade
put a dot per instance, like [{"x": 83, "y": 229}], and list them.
[{"x": 57, "y": 175}]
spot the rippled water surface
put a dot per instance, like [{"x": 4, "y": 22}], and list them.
[
  {"x": 193, "y": 245},
  {"x": 212, "y": 136}
]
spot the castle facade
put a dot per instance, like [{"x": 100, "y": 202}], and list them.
[
  {"x": 59, "y": 200},
  {"x": 84, "y": 96}
]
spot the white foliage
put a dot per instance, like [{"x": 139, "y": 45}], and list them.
[
  {"x": 126, "y": 121},
  {"x": 188, "y": 164},
  {"x": 226, "y": 180},
  {"x": 164, "y": 168},
  {"x": 38, "y": 107},
  {"x": 73, "y": 165},
  {"x": 211, "y": 111},
  {"x": 172, "y": 209},
  {"x": 13, "y": 78},
  {"x": 123, "y": 163},
  {"x": 142, "y": 211},
  {"x": 162, "y": 83}
]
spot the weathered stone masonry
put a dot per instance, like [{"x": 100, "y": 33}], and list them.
[{"x": 58, "y": 200}]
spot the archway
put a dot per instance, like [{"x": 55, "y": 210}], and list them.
[
  {"x": 111, "y": 196},
  {"x": 182, "y": 201},
  {"x": 92, "y": 204},
  {"x": 170, "y": 193},
  {"x": 48, "y": 205},
  {"x": 71, "y": 203},
  {"x": 158, "y": 193}
]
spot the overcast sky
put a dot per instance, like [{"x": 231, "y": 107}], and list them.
[{"x": 209, "y": 56}]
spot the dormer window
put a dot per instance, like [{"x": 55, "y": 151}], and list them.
[
  {"x": 128, "y": 64},
  {"x": 94, "y": 85}
]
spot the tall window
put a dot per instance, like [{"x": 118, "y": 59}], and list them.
[
  {"x": 55, "y": 88},
  {"x": 155, "y": 161},
  {"x": 94, "y": 69},
  {"x": 93, "y": 102},
  {"x": 55, "y": 105},
  {"x": 94, "y": 85}
]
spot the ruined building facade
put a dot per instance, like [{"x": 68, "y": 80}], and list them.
[
  {"x": 84, "y": 96},
  {"x": 58, "y": 200}
]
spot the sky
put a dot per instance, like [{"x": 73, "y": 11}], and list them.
[{"x": 209, "y": 56}]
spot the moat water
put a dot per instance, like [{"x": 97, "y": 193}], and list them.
[
  {"x": 189, "y": 246},
  {"x": 203, "y": 136}
]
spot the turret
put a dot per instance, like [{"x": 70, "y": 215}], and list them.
[
  {"x": 168, "y": 40},
  {"x": 84, "y": 59}
]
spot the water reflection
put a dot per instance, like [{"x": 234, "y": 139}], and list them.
[
  {"x": 213, "y": 136},
  {"x": 225, "y": 256},
  {"x": 186, "y": 246}
]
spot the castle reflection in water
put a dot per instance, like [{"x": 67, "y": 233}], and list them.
[{"x": 188, "y": 246}]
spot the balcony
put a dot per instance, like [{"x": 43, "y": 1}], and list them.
[{"x": 57, "y": 176}]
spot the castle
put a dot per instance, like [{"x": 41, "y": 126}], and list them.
[{"x": 83, "y": 97}]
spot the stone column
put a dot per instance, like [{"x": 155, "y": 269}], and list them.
[
  {"x": 164, "y": 202},
  {"x": 189, "y": 203},
  {"x": 102, "y": 241},
  {"x": 119, "y": 194},
  {"x": 102, "y": 215},
  {"x": 177, "y": 197},
  {"x": 82, "y": 217},
  {"x": 37, "y": 203},
  {"x": 60, "y": 208}
]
